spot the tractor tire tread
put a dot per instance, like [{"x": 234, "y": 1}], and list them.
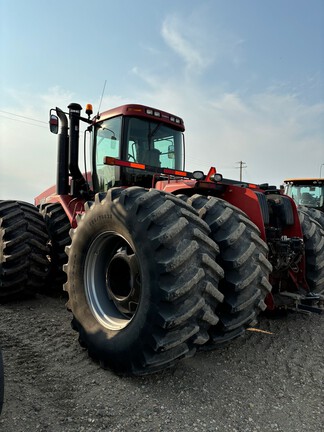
[
  {"x": 314, "y": 250},
  {"x": 177, "y": 244},
  {"x": 243, "y": 256}
]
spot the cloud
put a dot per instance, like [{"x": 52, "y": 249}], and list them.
[
  {"x": 180, "y": 39},
  {"x": 200, "y": 43}
]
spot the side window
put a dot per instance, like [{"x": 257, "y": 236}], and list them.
[
  {"x": 154, "y": 144},
  {"x": 166, "y": 147},
  {"x": 108, "y": 144},
  {"x": 108, "y": 139}
]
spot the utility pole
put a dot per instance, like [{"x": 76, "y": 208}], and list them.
[{"x": 241, "y": 166}]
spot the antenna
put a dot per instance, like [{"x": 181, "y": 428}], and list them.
[{"x": 102, "y": 94}]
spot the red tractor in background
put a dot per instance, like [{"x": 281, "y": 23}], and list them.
[
  {"x": 157, "y": 262},
  {"x": 308, "y": 194}
]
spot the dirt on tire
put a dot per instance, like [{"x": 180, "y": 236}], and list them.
[{"x": 270, "y": 381}]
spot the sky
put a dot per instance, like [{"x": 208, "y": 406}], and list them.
[{"x": 247, "y": 77}]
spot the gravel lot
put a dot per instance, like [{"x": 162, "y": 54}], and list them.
[{"x": 262, "y": 382}]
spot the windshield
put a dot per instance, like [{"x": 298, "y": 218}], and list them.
[
  {"x": 132, "y": 139},
  {"x": 307, "y": 195},
  {"x": 153, "y": 143},
  {"x": 107, "y": 143}
]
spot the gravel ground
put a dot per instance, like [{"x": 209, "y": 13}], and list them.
[{"x": 259, "y": 383}]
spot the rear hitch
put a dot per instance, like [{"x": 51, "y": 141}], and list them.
[{"x": 310, "y": 303}]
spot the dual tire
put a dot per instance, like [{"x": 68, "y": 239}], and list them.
[
  {"x": 243, "y": 256},
  {"x": 24, "y": 252},
  {"x": 312, "y": 224},
  {"x": 142, "y": 280},
  {"x": 145, "y": 277}
]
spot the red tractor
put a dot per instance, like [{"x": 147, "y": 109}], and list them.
[
  {"x": 308, "y": 194},
  {"x": 157, "y": 262}
]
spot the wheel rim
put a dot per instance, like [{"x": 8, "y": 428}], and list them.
[{"x": 112, "y": 280}]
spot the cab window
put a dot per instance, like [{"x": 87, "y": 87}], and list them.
[
  {"x": 154, "y": 144},
  {"x": 107, "y": 144}
]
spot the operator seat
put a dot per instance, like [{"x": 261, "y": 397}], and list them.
[
  {"x": 306, "y": 198},
  {"x": 152, "y": 157}
]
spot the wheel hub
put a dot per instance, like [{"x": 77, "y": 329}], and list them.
[{"x": 122, "y": 282}]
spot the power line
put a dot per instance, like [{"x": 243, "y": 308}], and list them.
[
  {"x": 24, "y": 117},
  {"x": 22, "y": 121}
]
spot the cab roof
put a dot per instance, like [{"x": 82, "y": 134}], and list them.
[
  {"x": 143, "y": 111},
  {"x": 305, "y": 180}
]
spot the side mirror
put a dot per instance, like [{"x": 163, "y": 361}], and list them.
[
  {"x": 53, "y": 122},
  {"x": 171, "y": 151}
]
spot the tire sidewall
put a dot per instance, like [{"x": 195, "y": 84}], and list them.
[{"x": 113, "y": 218}]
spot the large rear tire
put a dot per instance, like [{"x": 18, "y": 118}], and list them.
[
  {"x": 142, "y": 280},
  {"x": 313, "y": 235},
  {"x": 243, "y": 256},
  {"x": 1, "y": 381},
  {"x": 39, "y": 249},
  {"x": 317, "y": 215},
  {"x": 58, "y": 228},
  {"x": 23, "y": 249},
  {"x": 14, "y": 250}
]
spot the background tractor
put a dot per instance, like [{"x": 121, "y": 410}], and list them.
[
  {"x": 157, "y": 262},
  {"x": 308, "y": 194}
]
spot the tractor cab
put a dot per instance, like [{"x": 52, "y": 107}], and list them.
[
  {"x": 308, "y": 192},
  {"x": 130, "y": 145},
  {"x": 144, "y": 138}
]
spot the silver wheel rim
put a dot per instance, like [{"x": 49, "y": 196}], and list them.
[{"x": 112, "y": 280}]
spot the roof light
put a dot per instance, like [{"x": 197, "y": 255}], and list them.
[
  {"x": 157, "y": 114},
  {"x": 177, "y": 120},
  {"x": 149, "y": 111},
  {"x": 89, "y": 110},
  {"x": 135, "y": 109}
]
